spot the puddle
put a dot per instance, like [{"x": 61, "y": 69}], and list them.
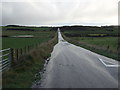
[{"x": 23, "y": 36}]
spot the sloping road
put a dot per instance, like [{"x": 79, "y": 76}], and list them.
[{"x": 71, "y": 66}]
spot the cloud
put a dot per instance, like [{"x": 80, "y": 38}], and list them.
[{"x": 59, "y": 12}]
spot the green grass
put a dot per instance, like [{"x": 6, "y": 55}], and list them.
[
  {"x": 22, "y": 75},
  {"x": 100, "y": 40},
  {"x": 39, "y": 37},
  {"x": 34, "y": 33},
  {"x": 21, "y": 42},
  {"x": 105, "y": 42},
  {"x": 92, "y": 32},
  {"x": 98, "y": 45},
  {"x": 95, "y": 31}
]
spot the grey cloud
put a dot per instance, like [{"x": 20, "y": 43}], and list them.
[{"x": 52, "y": 12}]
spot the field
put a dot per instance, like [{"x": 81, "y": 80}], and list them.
[
  {"x": 14, "y": 42},
  {"x": 110, "y": 43},
  {"x": 29, "y": 65},
  {"x": 34, "y": 33},
  {"x": 24, "y": 68},
  {"x": 100, "y": 40},
  {"x": 83, "y": 31}
]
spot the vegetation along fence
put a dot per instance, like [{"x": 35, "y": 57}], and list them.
[{"x": 11, "y": 56}]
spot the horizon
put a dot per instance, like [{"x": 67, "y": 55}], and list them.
[{"x": 58, "y": 25}]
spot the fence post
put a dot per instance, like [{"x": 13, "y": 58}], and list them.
[
  {"x": 20, "y": 51},
  {"x": 12, "y": 56},
  {"x": 16, "y": 54}
]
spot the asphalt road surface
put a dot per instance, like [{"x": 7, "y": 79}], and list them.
[{"x": 71, "y": 66}]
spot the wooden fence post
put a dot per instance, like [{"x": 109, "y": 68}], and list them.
[
  {"x": 21, "y": 51},
  {"x": 19, "y": 54},
  {"x": 16, "y": 54},
  {"x": 12, "y": 56}
]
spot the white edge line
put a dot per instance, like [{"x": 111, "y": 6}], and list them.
[
  {"x": 102, "y": 62},
  {"x": 113, "y": 65},
  {"x": 108, "y": 65},
  {"x": 109, "y": 62}
]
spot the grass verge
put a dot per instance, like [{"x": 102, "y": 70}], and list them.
[
  {"x": 22, "y": 74},
  {"x": 94, "y": 48}
]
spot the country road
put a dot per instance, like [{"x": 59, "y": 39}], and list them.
[{"x": 71, "y": 66}]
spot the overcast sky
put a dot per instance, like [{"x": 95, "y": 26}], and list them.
[{"x": 60, "y": 12}]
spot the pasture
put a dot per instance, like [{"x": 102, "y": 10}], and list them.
[
  {"x": 8, "y": 41},
  {"x": 102, "y": 40}
]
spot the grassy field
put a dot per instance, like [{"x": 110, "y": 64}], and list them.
[
  {"x": 39, "y": 37},
  {"x": 109, "y": 43},
  {"x": 84, "y": 31},
  {"x": 107, "y": 46},
  {"x": 34, "y": 33},
  {"x": 22, "y": 73},
  {"x": 98, "y": 39},
  {"x": 21, "y": 42},
  {"x": 114, "y": 31}
]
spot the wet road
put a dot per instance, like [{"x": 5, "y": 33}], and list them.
[{"x": 71, "y": 66}]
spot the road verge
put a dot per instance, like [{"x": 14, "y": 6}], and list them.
[
  {"x": 22, "y": 74},
  {"x": 98, "y": 50}
]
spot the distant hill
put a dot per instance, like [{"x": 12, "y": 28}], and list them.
[
  {"x": 91, "y": 28},
  {"x": 25, "y": 28}
]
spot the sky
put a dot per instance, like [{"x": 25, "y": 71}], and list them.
[{"x": 59, "y": 12}]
